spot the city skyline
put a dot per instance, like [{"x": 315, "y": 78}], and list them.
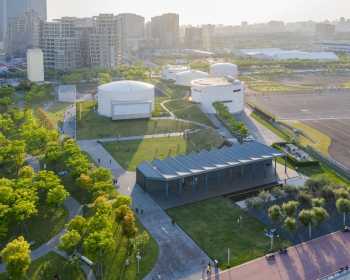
[{"x": 317, "y": 10}]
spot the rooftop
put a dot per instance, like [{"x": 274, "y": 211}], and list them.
[
  {"x": 213, "y": 81},
  {"x": 178, "y": 167}
]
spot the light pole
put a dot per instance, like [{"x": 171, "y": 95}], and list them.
[
  {"x": 138, "y": 257},
  {"x": 228, "y": 256}
]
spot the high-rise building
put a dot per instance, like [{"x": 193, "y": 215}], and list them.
[
  {"x": 104, "y": 42},
  {"x": 35, "y": 65},
  {"x": 194, "y": 37},
  {"x": 325, "y": 30},
  {"x": 23, "y": 32},
  {"x": 165, "y": 31},
  {"x": 60, "y": 42},
  {"x": 208, "y": 32},
  {"x": 131, "y": 30},
  {"x": 10, "y": 9}
]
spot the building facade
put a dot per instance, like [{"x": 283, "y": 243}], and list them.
[
  {"x": 131, "y": 31},
  {"x": 165, "y": 31},
  {"x": 60, "y": 42},
  {"x": 23, "y": 33},
  {"x": 194, "y": 38},
  {"x": 104, "y": 42}
]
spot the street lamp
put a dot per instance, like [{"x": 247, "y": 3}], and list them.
[
  {"x": 138, "y": 257},
  {"x": 272, "y": 233}
]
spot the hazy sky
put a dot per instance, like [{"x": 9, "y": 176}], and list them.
[{"x": 204, "y": 11}]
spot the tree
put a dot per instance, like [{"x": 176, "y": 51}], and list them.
[
  {"x": 101, "y": 174},
  {"x": 78, "y": 223},
  {"x": 290, "y": 208},
  {"x": 343, "y": 206},
  {"x": 85, "y": 181},
  {"x": 129, "y": 225},
  {"x": 16, "y": 256},
  {"x": 275, "y": 214},
  {"x": 305, "y": 199},
  {"x": 69, "y": 241},
  {"x": 316, "y": 183},
  {"x": 290, "y": 224},
  {"x": 320, "y": 214},
  {"x": 26, "y": 172},
  {"x": 306, "y": 217},
  {"x": 341, "y": 193},
  {"x": 56, "y": 196},
  {"x": 318, "y": 202},
  {"x": 122, "y": 200}
]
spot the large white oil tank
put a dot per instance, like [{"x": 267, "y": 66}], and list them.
[
  {"x": 126, "y": 100},
  {"x": 224, "y": 70},
  {"x": 228, "y": 91},
  {"x": 169, "y": 71},
  {"x": 35, "y": 65},
  {"x": 185, "y": 78}
]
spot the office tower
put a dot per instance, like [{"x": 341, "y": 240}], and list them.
[
  {"x": 165, "y": 31},
  {"x": 23, "y": 32},
  {"x": 131, "y": 31},
  {"x": 104, "y": 42},
  {"x": 60, "y": 42},
  {"x": 194, "y": 37},
  {"x": 35, "y": 65}
]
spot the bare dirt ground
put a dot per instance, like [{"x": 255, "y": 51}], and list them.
[{"x": 339, "y": 130}]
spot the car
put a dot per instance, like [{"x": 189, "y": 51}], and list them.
[{"x": 249, "y": 138}]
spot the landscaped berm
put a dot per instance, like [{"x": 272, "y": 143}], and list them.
[{"x": 92, "y": 126}]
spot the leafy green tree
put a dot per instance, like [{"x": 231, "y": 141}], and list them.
[
  {"x": 320, "y": 215},
  {"x": 290, "y": 208},
  {"x": 101, "y": 174},
  {"x": 26, "y": 172},
  {"x": 78, "y": 223},
  {"x": 275, "y": 214},
  {"x": 129, "y": 225},
  {"x": 306, "y": 217},
  {"x": 341, "y": 193},
  {"x": 318, "y": 202},
  {"x": 305, "y": 199},
  {"x": 122, "y": 200},
  {"x": 56, "y": 196},
  {"x": 69, "y": 241},
  {"x": 290, "y": 224},
  {"x": 16, "y": 256},
  {"x": 343, "y": 206},
  {"x": 85, "y": 181}
]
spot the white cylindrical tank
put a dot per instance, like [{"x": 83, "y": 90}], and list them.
[
  {"x": 169, "y": 71},
  {"x": 35, "y": 65},
  {"x": 126, "y": 100},
  {"x": 211, "y": 90},
  {"x": 185, "y": 78},
  {"x": 224, "y": 70}
]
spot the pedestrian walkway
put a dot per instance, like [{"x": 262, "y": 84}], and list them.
[{"x": 179, "y": 257}]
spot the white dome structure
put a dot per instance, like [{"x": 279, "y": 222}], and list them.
[
  {"x": 187, "y": 77},
  {"x": 224, "y": 70},
  {"x": 225, "y": 90},
  {"x": 126, "y": 100},
  {"x": 169, "y": 71}
]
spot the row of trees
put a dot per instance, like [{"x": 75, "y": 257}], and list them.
[
  {"x": 38, "y": 94},
  {"x": 6, "y": 97},
  {"x": 236, "y": 127}
]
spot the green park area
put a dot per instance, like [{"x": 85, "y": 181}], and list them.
[
  {"x": 47, "y": 267},
  {"x": 183, "y": 109},
  {"x": 92, "y": 126},
  {"x": 131, "y": 153},
  {"x": 213, "y": 225}
]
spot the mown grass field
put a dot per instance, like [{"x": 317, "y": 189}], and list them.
[
  {"x": 212, "y": 224},
  {"x": 131, "y": 153},
  {"x": 92, "y": 126}
]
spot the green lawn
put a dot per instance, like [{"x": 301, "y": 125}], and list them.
[
  {"x": 212, "y": 224},
  {"x": 56, "y": 112},
  {"x": 93, "y": 126},
  {"x": 47, "y": 267},
  {"x": 188, "y": 111},
  {"x": 40, "y": 228},
  {"x": 131, "y": 153},
  {"x": 115, "y": 264}
]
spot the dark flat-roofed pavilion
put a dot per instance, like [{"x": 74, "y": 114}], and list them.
[{"x": 241, "y": 167}]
